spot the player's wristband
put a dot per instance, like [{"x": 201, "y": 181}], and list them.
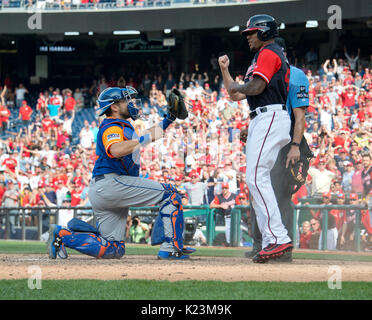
[
  {"x": 167, "y": 121},
  {"x": 145, "y": 139},
  {"x": 295, "y": 144}
]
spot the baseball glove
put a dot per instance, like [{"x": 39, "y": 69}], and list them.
[
  {"x": 295, "y": 174},
  {"x": 176, "y": 105}
]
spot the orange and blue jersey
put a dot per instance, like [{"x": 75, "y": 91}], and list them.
[{"x": 113, "y": 131}]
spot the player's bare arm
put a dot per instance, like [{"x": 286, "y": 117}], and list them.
[
  {"x": 252, "y": 88},
  {"x": 299, "y": 128},
  {"x": 224, "y": 63}
]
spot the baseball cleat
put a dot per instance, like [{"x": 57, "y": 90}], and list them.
[
  {"x": 272, "y": 251},
  {"x": 165, "y": 255},
  {"x": 188, "y": 250},
  {"x": 54, "y": 244}
]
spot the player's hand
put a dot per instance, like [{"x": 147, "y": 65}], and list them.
[
  {"x": 293, "y": 156},
  {"x": 224, "y": 62}
]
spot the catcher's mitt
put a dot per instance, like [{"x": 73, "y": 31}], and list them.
[
  {"x": 295, "y": 174},
  {"x": 176, "y": 105}
]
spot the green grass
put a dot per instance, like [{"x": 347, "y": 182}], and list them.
[
  {"x": 36, "y": 247},
  {"x": 182, "y": 290}
]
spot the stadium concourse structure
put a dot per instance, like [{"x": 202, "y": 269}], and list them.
[{"x": 45, "y": 41}]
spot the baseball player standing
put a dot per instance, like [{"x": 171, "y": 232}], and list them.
[
  {"x": 297, "y": 102},
  {"x": 116, "y": 185},
  {"x": 266, "y": 89}
]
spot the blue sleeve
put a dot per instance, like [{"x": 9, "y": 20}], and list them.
[
  {"x": 130, "y": 134},
  {"x": 298, "y": 95}
]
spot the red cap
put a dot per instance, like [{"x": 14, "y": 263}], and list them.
[
  {"x": 353, "y": 196},
  {"x": 349, "y": 164},
  {"x": 341, "y": 195},
  {"x": 343, "y": 150},
  {"x": 326, "y": 195},
  {"x": 225, "y": 185},
  {"x": 242, "y": 195}
]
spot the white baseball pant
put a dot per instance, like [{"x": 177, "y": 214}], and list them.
[{"x": 268, "y": 132}]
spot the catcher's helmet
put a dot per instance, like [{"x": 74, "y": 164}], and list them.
[
  {"x": 112, "y": 95},
  {"x": 265, "y": 26}
]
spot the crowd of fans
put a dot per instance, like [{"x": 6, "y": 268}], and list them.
[
  {"x": 201, "y": 155},
  {"x": 76, "y": 4}
]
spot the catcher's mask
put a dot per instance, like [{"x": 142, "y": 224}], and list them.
[{"x": 113, "y": 95}]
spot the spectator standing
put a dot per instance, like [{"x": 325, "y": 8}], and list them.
[
  {"x": 11, "y": 199},
  {"x": 348, "y": 229},
  {"x": 195, "y": 190},
  {"x": 54, "y": 105},
  {"x": 4, "y": 116},
  {"x": 20, "y": 94},
  {"x": 25, "y": 113},
  {"x": 357, "y": 181},
  {"x": 69, "y": 105},
  {"x": 366, "y": 174},
  {"x": 339, "y": 214},
  {"x": 94, "y": 130},
  {"x": 315, "y": 234},
  {"x": 352, "y": 60},
  {"x": 86, "y": 136},
  {"x": 347, "y": 177},
  {"x": 225, "y": 202},
  {"x": 321, "y": 178}
]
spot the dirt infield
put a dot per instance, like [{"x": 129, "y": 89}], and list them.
[{"x": 16, "y": 266}]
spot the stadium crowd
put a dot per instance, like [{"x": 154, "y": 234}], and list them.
[
  {"x": 202, "y": 155},
  {"x": 101, "y": 4}
]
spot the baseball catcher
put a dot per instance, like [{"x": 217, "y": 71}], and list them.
[{"x": 116, "y": 185}]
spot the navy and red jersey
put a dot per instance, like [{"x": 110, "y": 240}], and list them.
[{"x": 270, "y": 64}]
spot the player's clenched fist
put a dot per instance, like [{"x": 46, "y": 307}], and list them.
[{"x": 224, "y": 62}]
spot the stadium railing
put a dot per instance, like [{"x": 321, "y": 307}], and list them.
[{"x": 49, "y": 215}]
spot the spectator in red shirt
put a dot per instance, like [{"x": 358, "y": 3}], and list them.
[
  {"x": 25, "y": 113},
  {"x": 4, "y": 116},
  {"x": 348, "y": 97},
  {"x": 10, "y": 164},
  {"x": 75, "y": 195},
  {"x": 305, "y": 235},
  {"x": 339, "y": 214},
  {"x": 47, "y": 124},
  {"x": 70, "y": 104},
  {"x": 41, "y": 105}
]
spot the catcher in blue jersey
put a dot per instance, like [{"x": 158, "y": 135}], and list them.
[{"x": 116, "y": 185}]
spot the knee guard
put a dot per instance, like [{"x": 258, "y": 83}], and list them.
[
  {"x": 174, "y": 205},
  {"x": 92, "y": 244}
]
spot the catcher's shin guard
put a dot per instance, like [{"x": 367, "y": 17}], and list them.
[
  {"x": 92, "y": 244},
  {"x": 173, "y": 210}
]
